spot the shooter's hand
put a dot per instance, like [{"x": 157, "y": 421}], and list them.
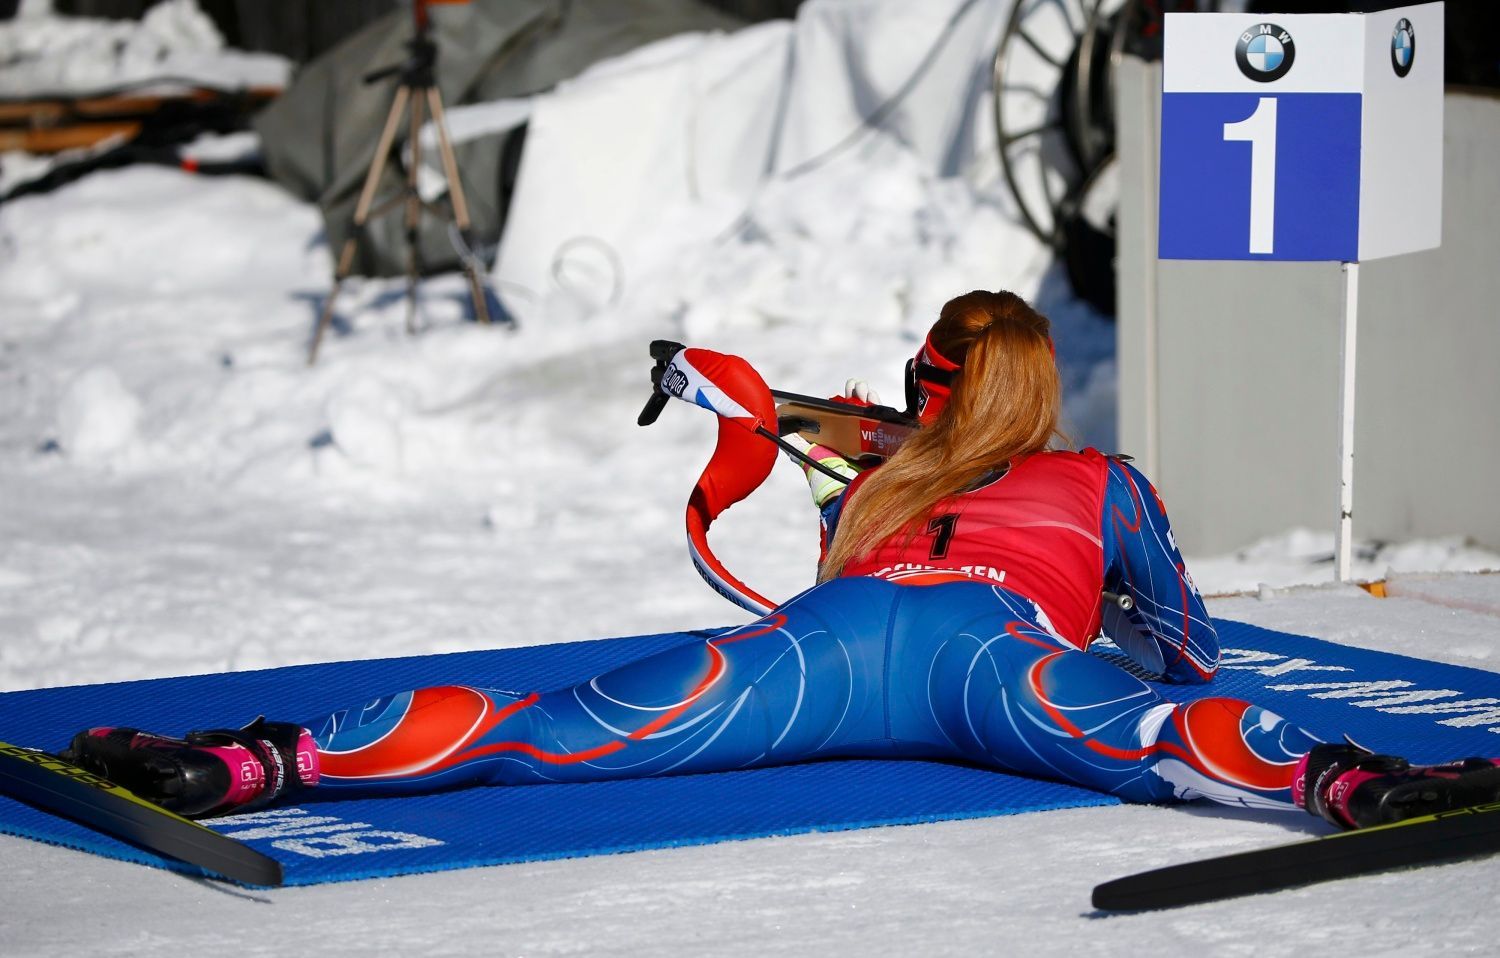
[
  {"x": 861, "y": 392},
  {"x": 824, "y": 488}
]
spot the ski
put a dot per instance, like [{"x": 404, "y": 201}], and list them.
[
  {"x": 61, "y": 788},
  {"x": 1459, "y": 833}
]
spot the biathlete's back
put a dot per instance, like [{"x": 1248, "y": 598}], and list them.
[{"x": 1057, "y": 528}]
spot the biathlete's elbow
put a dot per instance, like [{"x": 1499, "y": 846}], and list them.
[
  {"x": 1200, "y": 677},
  {"x": 1190, "y": 676},
  {"x": 1190, "y": 670}
]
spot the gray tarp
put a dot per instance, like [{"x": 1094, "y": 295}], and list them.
[{"x": 320, "y": 136}]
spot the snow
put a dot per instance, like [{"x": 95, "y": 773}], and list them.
[
  {"x": 180, "y": 493},
  {"x": 174, "y": 45},
  {"x": 1303, "y": 556}
]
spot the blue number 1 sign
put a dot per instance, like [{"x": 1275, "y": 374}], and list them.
[
  {"x": 1251, "y": 176},
  {"x": 1300, "y": 137}
]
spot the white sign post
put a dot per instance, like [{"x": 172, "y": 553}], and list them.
[{"x": 1305, "y": 137}]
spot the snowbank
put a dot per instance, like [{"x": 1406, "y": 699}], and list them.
[{"x": 172, "y": 46}]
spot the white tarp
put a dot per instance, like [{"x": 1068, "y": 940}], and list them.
[
  {"x": 929, "y": 60},
  {"x": 681, "y": 128},
  {"x": 678, "y": 141}
]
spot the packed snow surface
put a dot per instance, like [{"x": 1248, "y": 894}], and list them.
[{"x": 180, "y": 493}]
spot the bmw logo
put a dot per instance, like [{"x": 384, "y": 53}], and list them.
[
  {"x": 1403, "y": 47},
  {"x": 1265, "y": 52}
]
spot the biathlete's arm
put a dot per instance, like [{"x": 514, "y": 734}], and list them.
[
  {"x": 829, "y": 513},
  {"x": 828, "y": 494},
  {"x": 1168, "y": 630}
]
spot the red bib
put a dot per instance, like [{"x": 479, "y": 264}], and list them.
[{"x": 1034, "y": 530}]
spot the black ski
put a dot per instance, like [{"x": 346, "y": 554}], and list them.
[
  {"x": 56, "y": 786},
  {"x": 1459, "y": 833}
]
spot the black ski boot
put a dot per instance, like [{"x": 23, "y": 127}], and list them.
[
  {"x": 206, "y": 773},
  {"x": 1353, "y": 787}
]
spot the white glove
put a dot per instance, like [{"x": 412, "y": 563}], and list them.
[
  {"x": 823, "y": 487},
  {"x": 862, "y": 391}
]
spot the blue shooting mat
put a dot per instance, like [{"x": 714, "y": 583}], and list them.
[{"x": 1424, "y": 710}]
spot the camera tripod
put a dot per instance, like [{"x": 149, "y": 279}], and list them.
[{"x": 416, "y": 94}]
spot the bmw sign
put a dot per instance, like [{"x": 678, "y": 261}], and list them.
[
  {"x": 1292, "y": 151},
  {"x": 1265, "y": 52},
  {"x": 1403, "y": 47}
]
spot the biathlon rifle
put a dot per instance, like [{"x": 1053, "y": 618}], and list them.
[{"x": 862, "y": 434}]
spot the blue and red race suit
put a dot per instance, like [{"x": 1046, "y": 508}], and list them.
[
  {"x": 1059, "y": 527},
  {"x": 962, "y": 642}
]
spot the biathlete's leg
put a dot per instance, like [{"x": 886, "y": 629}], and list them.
[
  {"x": 999, "y": 690},
  {"x": 803, "y": 682}
]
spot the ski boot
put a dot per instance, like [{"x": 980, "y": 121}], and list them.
[
  {"x": 1353, "y": 787},
  {"x": 205, "y": 773}
]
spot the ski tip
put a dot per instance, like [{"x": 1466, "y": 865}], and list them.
[
  {"x": 263, "y": 873},
  {"x": 1112, "y": 898},
  {"x": 1160, "y": 889}
]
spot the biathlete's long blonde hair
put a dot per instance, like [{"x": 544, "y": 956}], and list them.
[{"x": 1005, "y": 404}]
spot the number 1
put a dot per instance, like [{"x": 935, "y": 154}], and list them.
[
  {"x": 942, "y": 529},
  {"x": 1259, "y": 128}
]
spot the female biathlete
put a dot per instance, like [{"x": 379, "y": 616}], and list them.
[{"x": 960, "y": 584}]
